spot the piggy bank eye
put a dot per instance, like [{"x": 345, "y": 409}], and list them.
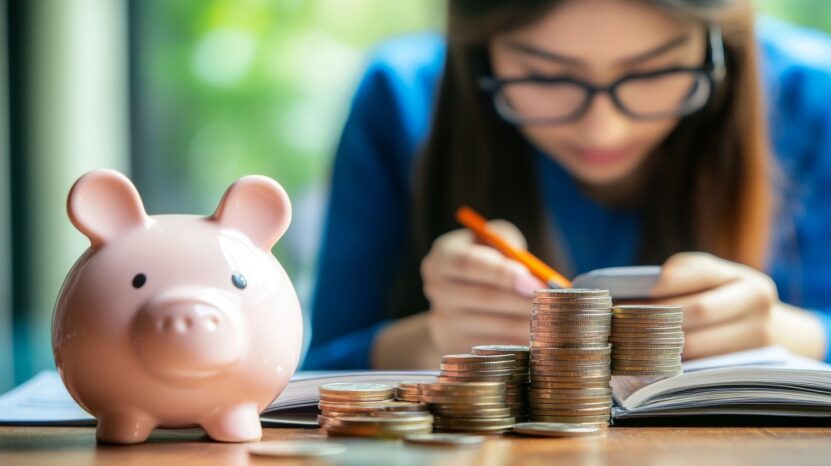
[
  {"x": 139, "y": 280},
  {"x": 239, "y": 281}
]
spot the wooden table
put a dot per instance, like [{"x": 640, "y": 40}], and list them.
[{"x": 641, "y": 446}]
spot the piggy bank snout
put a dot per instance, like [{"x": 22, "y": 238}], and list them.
[{"x": 183, "y": 336}]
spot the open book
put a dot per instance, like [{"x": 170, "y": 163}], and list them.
[
  {"x": 767, "y": 381},
  {"x": 622, "y": 282}
]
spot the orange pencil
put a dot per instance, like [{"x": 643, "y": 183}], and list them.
[{"x": 469, "y": 218}]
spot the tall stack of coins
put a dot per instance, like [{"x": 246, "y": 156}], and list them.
[
  {"x": 407, "y": 391},
  {"x": 647, "y": 340},
  {"x": 368, "y": 410},
  {"x": 468, "y": 406},
  {"x": 516, "y": 389},
  {"x": 570, "y": 357}
]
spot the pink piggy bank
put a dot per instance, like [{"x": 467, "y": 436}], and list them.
[{"x": 177, "y": 320}]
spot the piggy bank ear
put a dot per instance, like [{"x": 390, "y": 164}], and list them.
[
  {"x": 103, "y": 204},
  {"x": 257, "y": 206}
]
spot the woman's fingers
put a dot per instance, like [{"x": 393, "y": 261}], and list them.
[
  {"x": 445, "y": 294},
  {"x": 692, "y": 272},
  {"x": 734, "y": 300},
  {"x": 456, "y": 256},
  {"x": 727, "y": 337}
]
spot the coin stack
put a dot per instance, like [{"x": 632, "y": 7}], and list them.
[
  {"x": 647, "y": 341},
  {"x": 468, "y": 406},
  {"x": 516, "y": 390},
  {"x": 368, "y": 410},
  {"x": 407, "y": 391},
  {"x": 570, "y": 357},
  {"x": 469, "y": 367}
]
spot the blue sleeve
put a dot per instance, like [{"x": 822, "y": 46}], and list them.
[
  {"x": 814, "y": 230},
  {"x": 365, "y": 228},
  {"x": 798, "y": 73}
]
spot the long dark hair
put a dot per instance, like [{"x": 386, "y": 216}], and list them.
[{"x": 711, "y": 171}]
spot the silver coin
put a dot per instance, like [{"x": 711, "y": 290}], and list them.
[
  {"x": 449, "y": 440},
  {"x": 296, "y": 448}
]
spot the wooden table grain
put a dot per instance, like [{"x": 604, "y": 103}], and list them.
[{"x": 641, "y": 446}]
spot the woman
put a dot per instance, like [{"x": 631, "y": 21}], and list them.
[{"x": 602, "y": 133}]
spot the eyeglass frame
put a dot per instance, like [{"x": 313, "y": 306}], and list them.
[{"x": 714, "y": 70}]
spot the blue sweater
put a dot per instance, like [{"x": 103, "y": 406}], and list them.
[{"x": 367, "y": 224}]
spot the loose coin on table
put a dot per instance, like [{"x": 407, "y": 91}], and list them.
[
  {"x": 296, "y": 448},
  {"x": 445, "y": 439},
  {"x": 555, "y": 429}
]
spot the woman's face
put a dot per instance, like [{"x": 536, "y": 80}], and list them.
[{"x": 598, "y": 41}]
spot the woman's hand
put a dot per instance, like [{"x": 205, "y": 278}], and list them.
[
  {"x": 477, "y": 295},
  {"x": 731, "y": 307}
]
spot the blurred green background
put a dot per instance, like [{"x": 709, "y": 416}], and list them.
[{"x": 185, "y": 96}]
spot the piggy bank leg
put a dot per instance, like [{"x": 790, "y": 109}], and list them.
[
  {"x": 124, "y": 427},
  {"x": 236, "y": 424}
]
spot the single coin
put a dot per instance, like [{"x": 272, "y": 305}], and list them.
[
  {"x": 647, "y": 373},
  {"x": 449, "y": 440},
  {"x": 539, "y": 299},
  {"x": 481, "y": 400},
  {"x": 579, "y": 292},
  {"x": 472, "y": 411},
  {"x": 571, "y": 351},
  {"x": 296, "y": 448},
  {"x": 478, "y": 366},
  {"x": 560, "y": 310},
  {"x": 604, "y": 418},
  {"x": 516, "y": 350},
  {"x": 649, "y": 308},
  {"x": 569, "y": 378},
  {"x": 472, "y": 378},
  {"x": 469, "y": 357},
  {"x": 583, "y": 331},
  {"x": 600, "y": 343},
  {"x": 580, "y": 393},
  {"x": 479, "y": 388},
  {"x": 547, "y": 386},
  {"x": 556, "y": 429},
  {"x": 415, "y": 418},
  {"x": 356, "y": 390},
  {"x": 371, "y": 406},
  {"x": 450, "y": 371}
]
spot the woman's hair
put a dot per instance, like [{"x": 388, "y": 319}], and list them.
[{"x": 707, "y": 185}]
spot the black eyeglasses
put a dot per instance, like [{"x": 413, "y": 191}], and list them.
[{"x": 666, "y": 93}]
